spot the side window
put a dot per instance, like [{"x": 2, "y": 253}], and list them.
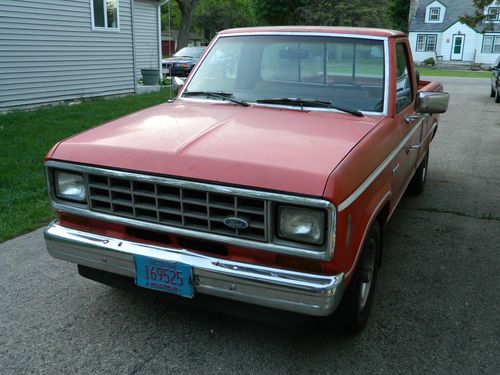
[
  {"x": 105, "y": 14},
  {"x": 404, "y": 90}
]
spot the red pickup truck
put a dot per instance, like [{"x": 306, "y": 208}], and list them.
[{"x": 268, "y": 180}]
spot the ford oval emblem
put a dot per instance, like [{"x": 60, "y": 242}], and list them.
[{"x": 235, "y": 222}]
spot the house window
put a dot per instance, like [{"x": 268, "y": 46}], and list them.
[
  {"x": 421, "y": 42},
  {"x": 491, "y": 44},
  {"x": 434, "y": 14},
  {"x": 104, "y": 14},
  {"x": 493, "y": 14},
  {"x": 431, "y": 43},
  {"x": 426, "y": 42}
]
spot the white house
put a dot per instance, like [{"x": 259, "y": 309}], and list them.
[
  {"x": 57, "y": 50},
  {"x": 436, "y": 32}
]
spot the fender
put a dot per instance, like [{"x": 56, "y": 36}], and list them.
[{"x": 373, "y": 209}]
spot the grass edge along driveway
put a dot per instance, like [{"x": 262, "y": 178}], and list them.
[
  {"x": 432, "y": 72},
  {"x": 25, "y": 139}
]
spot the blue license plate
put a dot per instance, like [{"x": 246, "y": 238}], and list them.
[{"x": 175, "y": 278}]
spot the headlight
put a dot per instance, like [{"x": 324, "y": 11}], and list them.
[
  {"x": 70, "y": 186},
  {"x": 301, "y": 224}
]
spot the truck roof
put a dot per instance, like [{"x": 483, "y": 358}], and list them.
[{"x": 317, "y": 29}]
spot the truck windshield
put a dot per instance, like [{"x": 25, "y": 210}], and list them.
[{"x": 345, "y": 71}]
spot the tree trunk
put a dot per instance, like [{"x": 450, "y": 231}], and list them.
[{"x": 187, "y": 10}]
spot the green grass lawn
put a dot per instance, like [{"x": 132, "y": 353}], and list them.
[
  {"x": 27, "y": 136},
  {"x": 452, "y": 73}
]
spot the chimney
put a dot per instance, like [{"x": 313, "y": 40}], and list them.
[{"x": 413, "y": 9}]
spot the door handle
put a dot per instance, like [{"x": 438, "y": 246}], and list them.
[
  {"x": 395, "y": 170},
  {"x": 411, "y": 118},
  {"x": 413, "y": 148}
]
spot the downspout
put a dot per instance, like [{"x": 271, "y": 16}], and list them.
[
  {"x": 159, "y": 35},
  {"x": 134, "y": 63}
]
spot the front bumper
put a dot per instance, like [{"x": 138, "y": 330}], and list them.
[{"x": 297, "y": 292}]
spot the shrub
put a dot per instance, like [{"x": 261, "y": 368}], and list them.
[{"x": 430, "y": 61}]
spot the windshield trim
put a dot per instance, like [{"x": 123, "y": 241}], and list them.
[{"x": 385, "y": 40}]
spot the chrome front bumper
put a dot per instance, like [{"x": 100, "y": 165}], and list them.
[{"x": 298, "y": 292}]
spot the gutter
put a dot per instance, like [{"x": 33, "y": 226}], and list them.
[
  {"x": 134, "y": 63},
  {"x": 159, "y": 34}
]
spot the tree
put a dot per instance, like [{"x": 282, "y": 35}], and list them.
[
  {"x": 212, "y": 16},
  {"x": 187, "y": 8},
  {"x": 278, "y": 12},
  {"x": 323, "y": 12},
  {"x": 345, "y": 13},
  {"x": 398, "y": 14},
  {"x": 174, "y": 14},
  {"x": 478, "y": 15}
]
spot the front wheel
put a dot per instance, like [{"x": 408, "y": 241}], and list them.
[
  {"x": 492, "y": 92},
  {"x": 352, "y": 314},
  {"x": 497, "y": 95}
]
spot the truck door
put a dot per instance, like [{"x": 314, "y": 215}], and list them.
[{"x": 408, "y": 123}]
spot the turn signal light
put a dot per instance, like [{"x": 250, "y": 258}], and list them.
[{"x": 298, "y": 264}]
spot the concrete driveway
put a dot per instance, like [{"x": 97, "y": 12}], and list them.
[{"x": 436, "y": 310}]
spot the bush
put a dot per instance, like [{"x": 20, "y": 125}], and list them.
[{"x": 430, "y": 61}]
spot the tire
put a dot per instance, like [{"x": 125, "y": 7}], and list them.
[
  {"x": 497, "y": 95},
  {"x": 417, "y": 183},
  {"x": 492, "y": 93},
  {"x": 352, "y": 314}
]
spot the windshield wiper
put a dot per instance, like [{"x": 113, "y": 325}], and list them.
[
  {"x": 309, "y": 103},
  {"x": 221, "y": 95}
]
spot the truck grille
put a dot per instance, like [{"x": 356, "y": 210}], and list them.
[{"x": 179, "y": 207}]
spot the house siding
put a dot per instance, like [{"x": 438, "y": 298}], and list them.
[
  {"x": 485, "y": 58},
  {"x": 146, "y": 35},
  {"x": 419, "y": 56},
  {"x": 470, "y": 42},
  {"x": 49, "y": 52}
]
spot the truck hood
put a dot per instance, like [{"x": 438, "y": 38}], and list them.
[{"x": 269, "y": 148}]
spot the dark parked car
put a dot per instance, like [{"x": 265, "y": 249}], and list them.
[
  {"x": 495, "y": 81},
  {"x": 182, "y": 62}
]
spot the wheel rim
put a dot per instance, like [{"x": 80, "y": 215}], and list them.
[{"x": 367, "y": 270}]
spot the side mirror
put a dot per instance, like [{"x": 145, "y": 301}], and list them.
[
  {"x": 432, "y": 102},
  {"x": 177, "y": 84}
]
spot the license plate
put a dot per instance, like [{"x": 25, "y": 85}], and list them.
[
  {"x": 175, "y": 278},
  {"x": 166, "y": 70}
]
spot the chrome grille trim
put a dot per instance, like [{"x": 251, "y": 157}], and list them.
[
  {"x": 267, "y": 243},
  {"x": 177, "y": 206}
]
